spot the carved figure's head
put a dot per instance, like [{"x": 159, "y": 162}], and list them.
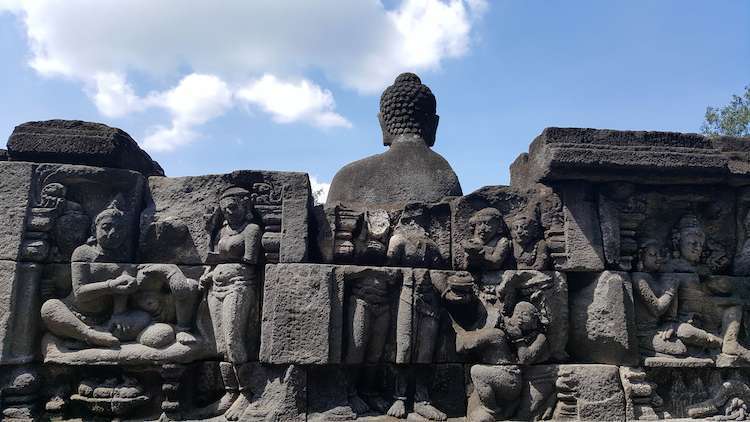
[
  {"x": 408, "y": 107},
  {"x": 650, "y": 258},
  {"x": 525, "y": 228},
  {"x": 688, "y": 238},
  {"x": 109, "y": 228},
  {"x": 235, "y": 205},
  {"x": 487, "y": 223},
  {"x": 525, "y": 317}
]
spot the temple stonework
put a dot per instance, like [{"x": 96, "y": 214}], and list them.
[{"x": 610, "y": 281}]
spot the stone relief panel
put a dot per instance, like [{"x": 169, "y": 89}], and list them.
[
  {"x": 183, "y": 216},
  {"x": 697, "y": 226},
  {"x": 498, "y": 227},
  {"x": 64, "y": 201},
  {"x": 417, "y": 235},
  {"x": 545, "y": 392},
  {"x": 686, "y": 393}
]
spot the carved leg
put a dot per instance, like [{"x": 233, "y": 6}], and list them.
[
  {"x": 380, "y": 318},
  {"x": 358, "y": 329},
  {"x": 422, "y": 403},
  {"x": 170, "y": 405},
  {"x": 61, "y": 321},
  {"x": 731, "y": 324},
  {"x": 498, "y": 389},
  {"x": 235, "y": 313},
  {"x": 398, "y": 408},
  {"x": 697, "y": 337}
]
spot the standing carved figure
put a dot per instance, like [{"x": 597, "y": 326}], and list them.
[
  {"x": 231, "y": 286},
  {"x": 411, "y": 246},
  {"x": 489, "y": 246}
]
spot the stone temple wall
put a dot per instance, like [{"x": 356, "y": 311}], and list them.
[{"x": 610, "y": 281}]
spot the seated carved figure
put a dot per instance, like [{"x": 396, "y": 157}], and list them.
[
  {"x": 529, "y": 248},
  {"x": 87, "y": 314},
  {"x": 112, "y": 303},
  {"x": 711, "y": 301},
  {"x": 409, "y": 171},
  {"x": 489, "y": 246},
  {"x": 659, "y": 330}
]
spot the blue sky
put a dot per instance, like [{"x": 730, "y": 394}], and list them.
[{"x": 211, "y": 91}]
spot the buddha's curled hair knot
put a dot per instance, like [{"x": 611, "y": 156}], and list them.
[{"x": 407, "y": 105}]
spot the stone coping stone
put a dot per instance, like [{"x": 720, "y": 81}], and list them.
[
  {"x": 78, "y": 142},
  {"x": 637, "y": 156}
]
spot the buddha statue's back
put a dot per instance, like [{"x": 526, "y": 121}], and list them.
[{"x": 409, "y": 171}]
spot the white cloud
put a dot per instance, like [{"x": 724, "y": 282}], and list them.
[
  {"x": 293, "y": 101},
  {"x": 194, "y": 101},
  {"x": 319, "y": 190},
  {"x": 113, "y": 96},
  {"x": 355, "y": 44}
]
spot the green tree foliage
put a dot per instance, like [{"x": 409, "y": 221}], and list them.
[{"x": 732, "y": 119}]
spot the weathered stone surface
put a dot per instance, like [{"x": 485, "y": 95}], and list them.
[
  {"x": 583, "y": 237},
  {"x": 545, "y": 392},
  {"x": 15, "y": 197},
  {"x": 409, "y": 171},
  {"x": 77, "y": 142},
  {"x": 602, "y": 328},
  {"x": 302, "y": 315},
  {"x": 174, "y": 222},
  {"x": 635, "y": 156},
  {"x": 19, "y": 310},
  {"x": 279, "y": 394}
]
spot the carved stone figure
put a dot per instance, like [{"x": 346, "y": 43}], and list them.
[
  {"x": 85, "y": 314},
  {"x": 232, "y": 288},
  {"x": 367, "y": 322},
  {"x": 529, "y": 248},
  {"x": 409, "y": 171},
  {"x": 658, "y": 327},
  {"x": 489, "y": 246},
  {"x": 410, "y": 244},
  {"x": 688, "y": 241}
]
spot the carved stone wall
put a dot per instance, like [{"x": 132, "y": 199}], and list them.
[{"x": 610, "y": 281}]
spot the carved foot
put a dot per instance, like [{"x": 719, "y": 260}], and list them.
[
  {"x": 238, "y": 407},
  {"x": 428, "y": 411},
  {"x": 101, "y": 338},
  {"x": 481, "y": 414},
  {"x": 398, "y": 409},
  {"x": 358, "y": 405}
]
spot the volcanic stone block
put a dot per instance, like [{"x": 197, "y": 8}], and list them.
[
  {"x": 19, "y": 311},
  {"x": 77, "y": 142},
  {"x": 174, "y": 223},
  {"x": 279, "y": 393},
  {"x": 602, "y": 324},
  {"x": 302, "y": 315},
  {"x": 583, "y": 237},
  {"x": 546, "y": 392},
  {"x": 635, "y": 156},
  {"x": 15, "y": 195}
]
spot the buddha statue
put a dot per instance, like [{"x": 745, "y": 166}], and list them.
[{"x": 409, "y": 171}]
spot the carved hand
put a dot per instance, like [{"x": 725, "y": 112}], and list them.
[{"x": 124, "y": 284}]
